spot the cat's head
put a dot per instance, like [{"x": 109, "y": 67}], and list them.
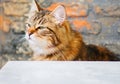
[{"x": 45, "y": 31}]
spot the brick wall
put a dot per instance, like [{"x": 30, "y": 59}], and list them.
[{"x": 97, "y": 20}]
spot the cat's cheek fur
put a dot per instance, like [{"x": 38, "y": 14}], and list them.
[
  {"x": 38, "y": 42},
  {"x": 39, "y": 45}
]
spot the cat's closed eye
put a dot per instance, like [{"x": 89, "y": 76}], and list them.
[
  {"x": 28, "y": 25},
  {"x": 43, "y": 31},
  {"x": 40, "y": 27}
]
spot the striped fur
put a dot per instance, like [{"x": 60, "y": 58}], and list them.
[{"x": 51, "y": 38}]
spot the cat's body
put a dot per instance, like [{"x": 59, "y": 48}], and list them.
[{"x": 51, "y": 38}]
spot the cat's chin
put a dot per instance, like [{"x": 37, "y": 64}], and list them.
[{"x": 44, "y": 51}]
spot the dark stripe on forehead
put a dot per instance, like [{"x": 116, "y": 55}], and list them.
[
  {"x": 41, "y": 21},
  {"x": 40, "y": 15}
]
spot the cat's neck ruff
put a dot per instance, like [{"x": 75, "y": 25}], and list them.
[{"x": 44, "y": 51}]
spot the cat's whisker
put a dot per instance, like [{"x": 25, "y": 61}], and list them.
[{"x": 21, "y": 39}]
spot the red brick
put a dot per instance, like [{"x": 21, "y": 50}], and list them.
[
  {"x": 81, "y": 23},
  {"x": 73, "y": 10},
  {"x": 4, "y": 24}
]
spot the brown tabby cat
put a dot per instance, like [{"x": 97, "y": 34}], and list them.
[{"x": 51, "y": 38}]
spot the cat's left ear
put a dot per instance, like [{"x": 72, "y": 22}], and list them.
[
  {"x": 35, "y": 7},
  {"x": 59, "y": 13}
]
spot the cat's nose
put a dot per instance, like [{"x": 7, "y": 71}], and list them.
[{"x": 31, "y": 30}]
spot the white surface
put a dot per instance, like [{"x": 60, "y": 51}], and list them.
[{"x": 42, "y": 72}]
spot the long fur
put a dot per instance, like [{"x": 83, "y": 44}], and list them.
[{"x": 51, "y": 38}]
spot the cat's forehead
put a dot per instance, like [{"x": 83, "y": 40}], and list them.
[
  {"x": 42, "y": 13},
  {"x": 38, "y": 16}
]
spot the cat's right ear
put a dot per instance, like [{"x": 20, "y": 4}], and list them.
[
  {"x": 35, "y": 7},
  {"x": 59, "y": 13}
]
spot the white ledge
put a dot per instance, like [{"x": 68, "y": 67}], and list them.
[{"x": 55, "y": 72}]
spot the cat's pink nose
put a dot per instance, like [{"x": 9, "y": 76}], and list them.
[{"x": 31, "y": 30}]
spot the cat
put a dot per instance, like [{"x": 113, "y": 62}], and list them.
[{"x": 51, "y": 38}]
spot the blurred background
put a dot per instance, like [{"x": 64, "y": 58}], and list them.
[{"x": 97, "y": 20}]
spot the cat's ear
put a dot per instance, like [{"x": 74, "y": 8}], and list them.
[
  {"x": 59, "y": 13},
  {"x": 35, "y": 7}
]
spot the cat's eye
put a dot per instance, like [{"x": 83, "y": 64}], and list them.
[
  {"x": 40, "y": 27},
  {"x": 28, "y": 25}
]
